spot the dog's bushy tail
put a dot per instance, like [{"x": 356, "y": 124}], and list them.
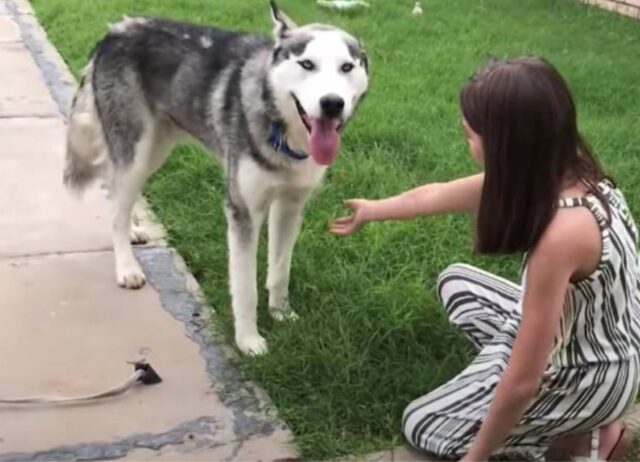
[{"x": 86, "y": 149}]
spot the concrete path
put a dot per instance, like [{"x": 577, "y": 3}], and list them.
[
  {"x": 629, "y": 8},
  {"x": 65, "y": 326}
]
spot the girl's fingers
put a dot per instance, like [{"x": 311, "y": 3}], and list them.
[
  {"x": 341, "y": 230},
  {"x": 346, "y": 225},
  {"x": 343, "y": 220}
]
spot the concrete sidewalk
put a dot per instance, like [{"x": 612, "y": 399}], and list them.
[{"x": 65, "y": 326}]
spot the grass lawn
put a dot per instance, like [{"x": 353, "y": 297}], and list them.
[{"x": 371, "y": 335}]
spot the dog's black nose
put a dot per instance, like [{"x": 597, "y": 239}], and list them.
[{"x": 332, "y": 106}]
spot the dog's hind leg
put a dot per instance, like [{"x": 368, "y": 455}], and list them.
[
  {"x": 150, "y": 152},
  {"x": 128, "y": 272},
  {"x": 128, "y": 184},
  {"x": 285, "y": 217},
  {"x": 138, "y": 234},
  {"x": 165, "y": 136}
]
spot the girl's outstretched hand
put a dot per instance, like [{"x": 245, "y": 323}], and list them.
[{"x": 344, "y": 226}]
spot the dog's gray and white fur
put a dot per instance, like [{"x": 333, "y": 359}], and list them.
[{"x": 151, "y": 82}]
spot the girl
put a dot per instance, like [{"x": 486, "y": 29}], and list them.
[{"x": 558, "y": 356}]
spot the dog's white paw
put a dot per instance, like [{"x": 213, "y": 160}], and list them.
[
  {"x": 130, "y": 277},
  {"x": 283, "y": 314},
  {"x": 252, "y": 345},
  {"x": 139, "y": 235}
]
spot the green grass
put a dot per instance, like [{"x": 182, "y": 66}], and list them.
[{"x": 371, "y": 335}]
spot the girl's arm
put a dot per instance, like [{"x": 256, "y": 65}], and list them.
[
  {"x": 461, "y": 195},
  {"x": 558, "y": 256}
]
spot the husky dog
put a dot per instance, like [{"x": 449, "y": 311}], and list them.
[{"x": 272, "y": 110}]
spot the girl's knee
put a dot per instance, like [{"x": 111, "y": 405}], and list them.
[
  {"x": 407, "y": 424},
  {"x": 419, "y": 430},
  {"x": 411, "y": 420},
  {"x": 451, "y": 281}
]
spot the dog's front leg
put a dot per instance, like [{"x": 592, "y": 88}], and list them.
[
  {"x": 285, "y": 217},
  {"x": 242, "y": 236}
]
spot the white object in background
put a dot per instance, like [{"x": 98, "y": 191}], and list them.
[
  {"x": 417, "y": 9},
  {"x": 343, "y": 4}
]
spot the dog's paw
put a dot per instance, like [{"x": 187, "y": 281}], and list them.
[
  {"x": 130, "y": 277},
  {"x": 139, "y": 235},
  {"x": 252, "y": 345},
  {"x": 283, "y": 314}
]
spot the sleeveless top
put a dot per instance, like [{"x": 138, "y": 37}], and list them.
[{"x": 596, "y": 358}]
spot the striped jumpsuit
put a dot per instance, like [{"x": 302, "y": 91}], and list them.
[{"x": 593, "y": 372}]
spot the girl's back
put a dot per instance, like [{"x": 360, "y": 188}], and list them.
[{"x": 601, "y": 322}]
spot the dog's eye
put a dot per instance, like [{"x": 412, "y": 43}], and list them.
[
  {"x": 346, "y": 67},
  {"x": 307, "y": 65}
]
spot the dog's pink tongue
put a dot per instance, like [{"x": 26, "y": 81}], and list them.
[{"x": 324, "y": 140}]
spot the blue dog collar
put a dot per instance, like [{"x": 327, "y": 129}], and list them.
[{"x": 276, "y": 141}]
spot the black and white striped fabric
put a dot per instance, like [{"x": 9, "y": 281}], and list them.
[{"x": 593, "y": 373}]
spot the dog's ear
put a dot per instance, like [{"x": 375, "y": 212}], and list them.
[
  {"x": 282, "y": 23},
  {"x": 364, "y": 59}
]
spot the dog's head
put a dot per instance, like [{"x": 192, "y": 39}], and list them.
[{"x": 319, "y": 74}]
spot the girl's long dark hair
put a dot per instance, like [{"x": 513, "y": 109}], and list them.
[{"x": 525, "y": 114}]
